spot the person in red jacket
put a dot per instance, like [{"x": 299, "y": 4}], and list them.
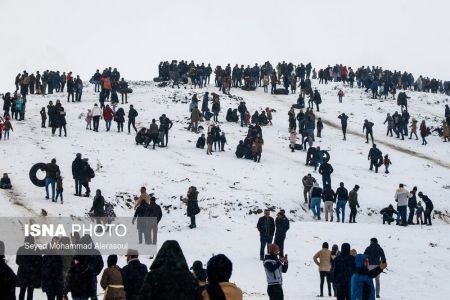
[
  {"x": 108, "y": 115},
  {"x": 340, "y": 95}
]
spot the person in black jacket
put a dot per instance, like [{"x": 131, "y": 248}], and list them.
[
  {"x": 155, "y": 214},
  {"x": 169, "y": 276},
  {"x": 132, "y": 114},
  {"x": 266, "y": 228},
  {"x": 119, "y": 117},
  {"x": 192, "y": 205},
  {"x": 281, "y": 227},
  {"x": 388, "y": 213},
  {"x": 343, "y": 269},
  {"x": 376, "y": 256},
  {"x": 374, "y": 156},
  {"x": 98, "y": 206},
  {"x": 201, "y": 142},
  {"x": 428, "y": 208},
  {"x": 240, "y": 149},
  {"x": 342, "y": 198},
  {"x": 86, "y": 175},
  {"x": 142, "y": 215},
  {"x": 29, "y": 271},
  {"x": 8, "y": 280},
  {"x": 165, "y": 126},
  {"x": 412, "y": 204},
  {"x": 325, "y": 170},
  {"x": 368, "y": 127},
  {"x": 133, "y": 275},
  {"x": 344, "y": 119},
  {"x": 52, "y": 273},
  {"x": 77, "y": 173}
]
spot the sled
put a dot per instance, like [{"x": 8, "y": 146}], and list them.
[{"x": 36, "y": 181}]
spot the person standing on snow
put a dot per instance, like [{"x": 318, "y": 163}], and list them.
[
  {"x": 165, "y": 124},
  {"x": 368, "y": 127},
  {"x": 326, "y": 170},
  {"x": 266, "y": 228},
  {"x": 401, "y": 197},
  {"x": 375, "y": 254},
  {"x": 323, "y": 260},
  {"x": 274, "y": 268},
  {"x": 315, "y": 196},
  {"x": 353, "y": 203},
  {"x": 344, "y": 119},
  {"x": 281, "y": 227},
  {"x": 308, "y": 182},
  {"x": 342, "y": 198},
  {"x": 329, "y": 197},
  {"x": 412, "y": 204},
  {"x": 132, "y": 114},
  {"x": 96, "y": 114},
  {"x": 428, "y": 208},
  {"x": 374, "y": 156}
]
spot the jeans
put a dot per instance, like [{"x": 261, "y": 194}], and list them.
[
  {"x": 279, "y": 240},
  {"x": 377, "y": 280},
  {"x": 275, "y": 292},
  {"x": 50, "y": 181},
  {"x": 315, "y": 206},
  {"x": 340, "y": 207},
  {"x": 96, "y": 121},
  {"x": 108, "y": 125},
  {"x": 343, "y": 291},
  {"x": 132, "y": 122},
  {"x": 59, "y": 193},
  {"x": 402, "y": 214},
  {"x": 265, "y": 240},
  {"x": 323, "y": 275},
  {"x": 243, "y": 120}
]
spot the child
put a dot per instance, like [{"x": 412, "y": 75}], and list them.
[
  {"x": 269, "y": 115},
  {"x": 247, "y": 118},
  {"x": 340, "y": 95},
  {"x": 109, "y": 212},
  {"x": 43, "y": 117},
  {"x": 419, "y": 213},
  {"x": 292, "y": 140},
  {"x": 386, "y": 163},
  {"x": 209, "y": 142},
  {"x": 223, "y": 141},
  {"x": 319, "y": 127},
  {"x": 59, "y": 188},
  {"x": 88, "y": 120},
  {"x": 7, "y": 126}
]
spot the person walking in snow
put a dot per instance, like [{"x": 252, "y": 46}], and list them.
[
  {"x": 192, "y": 205},
  {"x": 308, "y": 182},
  {"x": 387, "y": 162},
  {"x": 329, "y": 197},
  {"x": 132, "y": 114},
  {"x": 390, "y": 125},
  {"x": 428, "y": 208},
  {"x": 292, "y": 140},
  {"x": 43, "y": 114},
  {"x": 315, "y": 196},
  {"x": 368, "y": 127},
  {"x": 375, "y": 156},
  {"x": 342, "y": 198},
  {"x": 274, "y": 268},
  {"x": 96, "y": 114},
  {"x": 340, "y": 95},
  {"x": 343, "y": 117},
  {"x": 413, "y": 127},
  {"x": 353, "y": 203},
  {"x": 424, "y": 132},
  {"x": 119, "y": 117},
  {"x": 319, "y": 127},
  {"x": 326, "y": 170},
  {"x": 266, "y": 228}
]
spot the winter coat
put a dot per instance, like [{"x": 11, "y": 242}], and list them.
[
  {"x": 51, "y": 170},
  {"x": 112, "y": 283},
  {"x": 195, "y": 115},
  {"x": 325, "y": 169},
  {"x": 81, "y": 279},
  {"x": 343, "y": 267},
  {"x": 353, "y": 198},
  {"x": 169, "y": 276},
  {"x": 155, "y": 211},
  {"x": 108, "y": 114},
  {"x": 328, "y": 195},
  {"x": 390, "y": 122},
  {"x": 281, "y": 226},
  {"x": 8, "y": 281},
  {"x": 133, "y": 275},
  {"x": 323, "y": 260},
  {"x": 361, "y": 284},
  {"x": 132, "y": 114},
  {"x": 98, "y": 206},
  {"x": 274, "y": 269},
  {"x": 230, "y": 290},
  {"x": 308, "y": 181},
  {"x": 119, "y": 116},
  {"x": 401, "y": 196},
  {"x": 412, "y": 201},
  {"x": 52, "y": 274},
  {"x": 375, "y": 254},
  {"x": 342, "y": 193},
  {"x": 316, "y": 192},
  {"x": 192, "y": 204},
  {"x": 30, "y": 268},
  {"x": 96, "y": 111},
  {"x": 266, "y": 226}
]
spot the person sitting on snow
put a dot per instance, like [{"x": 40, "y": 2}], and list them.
[{"x": 5, "y": 182}]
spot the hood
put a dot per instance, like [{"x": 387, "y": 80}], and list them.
[
  {"x": 171, "y": 255},
  {"x": 359, "y": 261},
  {"x": 345, "y": 248}
]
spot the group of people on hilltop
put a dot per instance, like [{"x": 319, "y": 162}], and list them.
[
  {"x": 108, "y": 84},
  {"x": 47, "y": 83},
  {"x": 14, "y": 106},
  {"x": 348, "y": 274},
  {"x": 56, "y": 116},
  {"x": 116, "y": 114},
  {"x": 60, "y": 273}
]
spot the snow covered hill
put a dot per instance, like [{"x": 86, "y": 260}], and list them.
[{"x": 232, "y": 189}]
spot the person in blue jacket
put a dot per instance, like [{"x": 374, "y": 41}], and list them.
[{"x": 362, "y": 284}]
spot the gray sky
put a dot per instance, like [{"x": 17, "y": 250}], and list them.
[{"x": 134, "y": 35}]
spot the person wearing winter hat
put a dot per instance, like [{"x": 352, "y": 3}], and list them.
[
  {"x": 219, "y": 271},
  {"x": 274, "y": 268},
  {"x": 200, "y": 274}
]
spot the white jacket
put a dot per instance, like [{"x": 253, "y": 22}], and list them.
[
  {"x": 96, "y": 111},
  {"x": 401, "y": 196}
]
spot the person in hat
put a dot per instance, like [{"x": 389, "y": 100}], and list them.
[
  {"x": 8, "y": 279},
  {"x": 274, "y": 268},
  {"x": 133, "y": 275},
  {"x": 219, "y": 270},
  {"x": 200, "y": 274},
  {"x": 169, "y": 276}
]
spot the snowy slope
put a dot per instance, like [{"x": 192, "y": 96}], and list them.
[{"x": 230, "y": 188}]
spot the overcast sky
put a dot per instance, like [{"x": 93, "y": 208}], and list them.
[{"x": 134, "y": 35}]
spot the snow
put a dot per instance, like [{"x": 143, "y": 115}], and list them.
[{"x": 230, "y": 187}]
